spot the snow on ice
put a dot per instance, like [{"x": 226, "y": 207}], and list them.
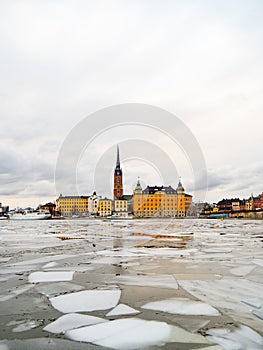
[
  {"x": 71, "y": 321},
  {"x": 122, "y": 309},
  {"x": 51, "y": 276},
  {"x": 162, "y": 281},
  {"x": 56, "y": 288},
  {"x": 133, "y": 333},
  {"x": 242, "y": 338},
  {"x": 182, "y": 306},
  {"x": 87, "y": 300}
]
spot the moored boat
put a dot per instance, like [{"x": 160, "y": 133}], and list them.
[
  {"x": 119, "y": 217},
  {"x": 29, "y": 215}
]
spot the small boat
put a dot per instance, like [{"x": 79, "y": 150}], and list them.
[
  {"x": 3, "y": 217},
  {"x": 119, "y": 217},
  {"x": 29, "y": 215}
]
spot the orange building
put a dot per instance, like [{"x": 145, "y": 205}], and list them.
[{"x": 160, "y": 201}]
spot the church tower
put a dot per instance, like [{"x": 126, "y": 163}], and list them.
[{"x": 118, "y": 187}]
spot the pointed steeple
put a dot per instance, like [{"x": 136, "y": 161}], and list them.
[
  {"x": 180, "y": 186},
  {"x": 138, "y": 185},
  {"x": 118, "y": 164},
  {"x": 118, "y": 187}
]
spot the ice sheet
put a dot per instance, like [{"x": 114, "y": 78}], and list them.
[
  {"x": 242, "y": 338},
  {"x": 227, "y": 294},
  {"x": 56, "y": 288},
  {"x": 51, "y": 276},
  {"x": 44, "y": 259},
  {"x": 49, "y": 265},
  {"x": 88, "y": 300},
  {"x": 258, "y": 313},
  {"x": 182, "y": 306},
  {"x": 15, "y": 292},
  {"x": 255, "y": 302},
  {"x": 122, "y": 309},
  {"x": 190, "y": 324},
  {"x": 3, "y": 345},
  {"x": 133, "y": 333},
  {"x": 214, "y": 347},
  {"x": 71, "y": 321},
  {"x": 47, "y": 343},
  {"x": 22, "y": 326},
  {"x": 162, "y": 281},
  {"x": 258, "y": 262},
  {"x": 242, "y": 270}
]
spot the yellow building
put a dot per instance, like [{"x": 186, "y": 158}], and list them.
[
  {"x": 105, "y": 207},
  {"x": 160, "y": 201},
  {"x": 121, "y": 207},
  {"x": 249, "y": 205},
  {"x": 72, "y": 205}
]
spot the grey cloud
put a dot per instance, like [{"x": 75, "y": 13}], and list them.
[{"x": 62, "y": 61}]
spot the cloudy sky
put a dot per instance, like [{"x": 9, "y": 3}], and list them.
[{"x": 61, "y": 61}]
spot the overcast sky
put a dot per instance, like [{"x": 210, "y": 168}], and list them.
[{"x": 60, "y": 61}]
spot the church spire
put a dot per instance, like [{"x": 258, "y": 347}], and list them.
[
  {"x": 118, "y": 164},
  {"x": 118, "y": 187},
  {"x": 138, "y": 185}
]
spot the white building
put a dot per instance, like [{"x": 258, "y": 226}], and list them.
[{"x": 93, "y": 204}]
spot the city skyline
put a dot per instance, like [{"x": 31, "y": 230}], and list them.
[{"x": 201, "y": 61}]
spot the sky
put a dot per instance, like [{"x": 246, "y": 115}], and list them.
[{"x": 62, "y": 61}]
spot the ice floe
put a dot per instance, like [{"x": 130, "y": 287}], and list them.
[
  {"x": 15, "y": 292},
  {"x": 44, "y": 259},
  {"x": 258, "y": 262},
  {"x": 122, "y": 309},
  {"x": 22, "y": 326},
  {"x": 162, "y": 281},
  {"x": 182, "y": 306},
  {"x": 190, "y": 324},
  {"x": 71, "y": 321},
  {"x": 47, "y": 343},
  {"x": 242, "y": 270},
  {"x": 3, "y": 345},
  {"x": 242, "y": 338},
  {"x": 133, "y": 333},
  {"x": 227, "y": 294},
  {"x": 255, "y": 302},
  {"x": 50, "y": 265},
  {"x": 258, "y": 313},
  {"x": 213, "y": 347},
  {"x": 87, "y": 300},
  {"x": 56, "y": 288},
  {"x": 50, "y": 276}
]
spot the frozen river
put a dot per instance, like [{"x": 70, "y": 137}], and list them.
[{"x": 134, "y": 284}]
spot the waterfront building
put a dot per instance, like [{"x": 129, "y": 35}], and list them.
[
  {"x": 93, "y": 204},
  {"x": 248, "y": 205},
  {"x": 118, "y": 187},
  {"x": 236, "y": 205},
  {"x": 51, "y": 207},
  {"x": 121, "y": 207},
  {"x": 257, "y": 202},
  {"x": 160, "y": 201},
  {"x": 225, "y": 205},
  {"x": 128, "y": 198},
  {"x": 105, "y": 207},
  {"x": 72, "y": 205}
]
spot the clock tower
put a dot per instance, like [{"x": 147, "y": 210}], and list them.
[{"x": 118, "y": 187}]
